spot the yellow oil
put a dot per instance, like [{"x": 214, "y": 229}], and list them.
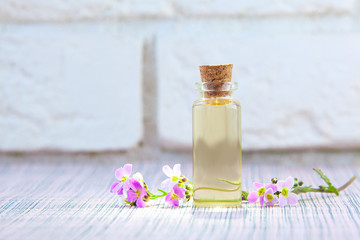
[{"x": 217, "y": 153}]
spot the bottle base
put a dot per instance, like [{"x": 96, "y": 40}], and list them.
[{"x": 208, "y": 203}]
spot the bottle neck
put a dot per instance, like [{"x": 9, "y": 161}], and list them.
[{"x": 216, "y": 90}]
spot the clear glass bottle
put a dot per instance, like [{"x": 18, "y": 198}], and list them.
[{"x": 217, "y": 140}]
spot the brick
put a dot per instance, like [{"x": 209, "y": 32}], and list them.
[
  {"x": 264, "y": 8},
  {"x": 69, "y": 89},
  {"x": 296, "y": 91},
  {"x": 63, "y": 10}
]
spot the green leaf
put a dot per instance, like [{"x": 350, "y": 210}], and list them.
[
  {"x": 330, "y": 187},
  {"x": 334, "y": 190},
  {"x": 323, "y": 176}
]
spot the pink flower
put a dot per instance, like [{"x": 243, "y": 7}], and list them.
[
  {"x": 135, "y": 193},
  {"x": 260, "y": 193},
  {"x": 173, "y": 174},
  {"x": 270, "y": 198},
  {"x": 286, "y": 196},
  {"x": 121, "y": 174},
  {"x": 174, "y": 195}
]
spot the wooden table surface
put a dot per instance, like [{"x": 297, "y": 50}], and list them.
[{"x": 70, "y": 199}]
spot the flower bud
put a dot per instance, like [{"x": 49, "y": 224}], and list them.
[
  {"x": 301, "y": 183},
  {"x": 274, "y": 180},
  {"x": 146, "y": 198}
]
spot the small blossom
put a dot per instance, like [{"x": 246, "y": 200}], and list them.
[
  {"x": 175, "y": 195},
  {"x": 135, "y": 193},
  {"x": 173, "y": 174},
  {"x": 121, "y": 174},
  {"x": 269, "y": 198},
  {"x": 286, "y": 196},
  {"x": 260, "y": 193}
]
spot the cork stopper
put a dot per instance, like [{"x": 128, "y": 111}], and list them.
[{"x": 214, "y": 76}]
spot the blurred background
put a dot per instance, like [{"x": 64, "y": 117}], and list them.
[{"x": 119, "y": 76}]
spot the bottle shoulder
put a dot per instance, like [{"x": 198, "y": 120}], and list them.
[{"x": 217, "y": 102}]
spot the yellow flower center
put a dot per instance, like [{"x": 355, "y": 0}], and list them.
[
  {"x": 173, "y": 195},
  {"x": 123, "y": 178},
  {"x": 285, "y": 192},
  {"x": 269, "y": 197},
  {"x": 261, "y": 191},
  {"x": 174, "y": 178}
]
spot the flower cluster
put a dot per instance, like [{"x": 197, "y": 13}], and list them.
[
  {"x": 135, "y": 192},
  {"x": 277, "y": 192},
  {"x": 132, "y": 189},
  {"x": 179, "y": 187},
  {"x": 176, "y": 187}
]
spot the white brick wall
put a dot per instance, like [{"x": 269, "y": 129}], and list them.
[
  {"x": 264, "y": 8},
  {"x": 63, "y": 10},
  {"x": 71, "y": 73},
  {"x": 68, "y": 89},
  {"x": 295, "y": 90}
]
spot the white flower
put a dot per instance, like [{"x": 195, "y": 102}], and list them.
[
  {"x": 173, "y": 174},
  {"x": 139, "y": 177}
]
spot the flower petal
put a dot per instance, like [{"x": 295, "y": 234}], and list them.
[
  {"x": 289, "y": 182},
  {"x": 121, "y": 190},
  {"x": 140, "y": 203},
  {"x": 168, "y": 196},
  {"x": 282, "y": 200},
  {"x": 114, "y": 187},
  {"x": 138, "y": 176},
  {"x": 258, "y": 185},
  {"x": 136, "y": 184},
  {"x": 275, "y": 200},
  {"x": 272, "y": 186},
  {"x": 168, "y": 171},
  {"x": 127, "y": 169},
  {"x": 119, "y": 173},
  {"x": 174, "y": 202},
  {"x": 143, "y": 192},
  {"x": 292, "y": 199},
  {"x": 127, "y": 185},
  {"x": 180, "y": 192},
  {"x": 253, "y": 197},
  {"x": 269, "y": 191},
  {"x": 262, "y": 201},
  {"x": 167, "y": 184},
  {"x": 269, "y": 204},
  {"x": 280, "y": 185},
  {"x": 131, "y": 196},
  {"x": 177, "y": 170}
]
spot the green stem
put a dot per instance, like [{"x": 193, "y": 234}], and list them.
[
  {"x": 153, "y": 196},
  {"x": 348, "y": 183},
  {"x": 343, "y": 187}
]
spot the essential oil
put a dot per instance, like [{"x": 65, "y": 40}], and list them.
[{"x": 216, "y": 140}]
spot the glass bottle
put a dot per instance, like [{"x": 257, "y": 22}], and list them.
[{"x": 216, "y": 140}]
